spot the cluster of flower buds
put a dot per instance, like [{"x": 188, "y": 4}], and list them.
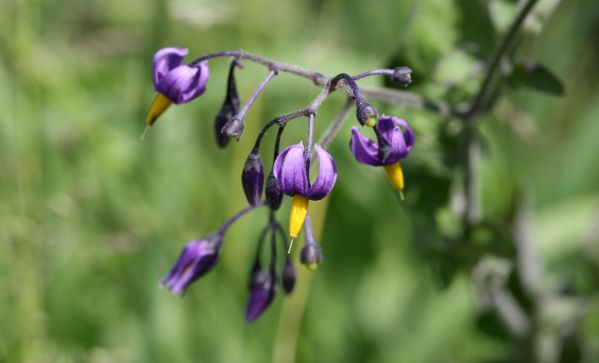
[{"x": 176, "y": 82}]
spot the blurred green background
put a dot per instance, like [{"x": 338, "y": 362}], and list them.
[{"x": 91, "y": 217}]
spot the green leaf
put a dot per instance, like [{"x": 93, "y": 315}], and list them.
[{"x": 537, "y": 77}]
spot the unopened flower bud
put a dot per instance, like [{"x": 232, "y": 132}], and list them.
[
  {"x": 229, "y": 109},
  {"x": 252, "y": 178},
  {"x": 367, "y": 115},
  {"x": 234, "y": 128},
  {"x": 274, "y": 195},
  {"x": 311, "y": 256},
  {"x": 197, "y": 258},
  {"x": 262, "y": 291},
  {"x": 402, "y": 76},
  {"x": 288, "y": 276}
]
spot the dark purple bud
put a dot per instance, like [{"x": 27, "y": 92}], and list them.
[
  {"x": 252, "y": 178},
  {"x": 288, "y": 276},
  {"x": 234, "y": 128},
  {"x": 197, "y": 258},
  {"x": 311, "y": 256},
  {"x": 402, "y": 76},
  {"x": 274, "y": 195},
  {"x": 263, "y": 287},
  {"x": 229, "y": 109},
  {"x": 366, "y": 114}
]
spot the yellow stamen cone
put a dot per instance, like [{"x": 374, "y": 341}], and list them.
[
  {"x": 395, "y": 176},
  {"x": 159, "y": 105},
  {"x": 297, "y": 215}
]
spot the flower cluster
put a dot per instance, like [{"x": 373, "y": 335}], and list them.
[{"x": 176, "y": 82}]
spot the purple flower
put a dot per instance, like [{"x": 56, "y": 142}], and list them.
[
  {"x": 174, "y": 81},
  {"x": 290, "y": 172},
  {"x": 393, "y": 145},
  {"x": 177, "y": 81},
  {"x": 263, "y": 286},
  {"x": 197, "y": 258},
  {"x": 399, "y": 142}
]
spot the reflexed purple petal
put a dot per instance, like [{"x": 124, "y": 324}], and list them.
[
  {"x": 165, "y": 60},
  {"x": 390, "y": 127},
  {"x": 408, "y": 134},
  {"x": 197, "y": 258},
  {"x": 184, "y": 83},
  {"x": 327, "y": 175},
  {"x": 387, "y": 127},
  {"x": 365, "y": 150},
  {"x": 290, "y": 170},
  {"x": 262, "y": 292},
  {"x": 397, "y": 143}
]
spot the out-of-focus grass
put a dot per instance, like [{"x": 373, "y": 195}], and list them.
[{"x": 91, "y": 217}]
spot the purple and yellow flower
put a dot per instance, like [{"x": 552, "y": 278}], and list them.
[
  {"x": 291, "y": 171},
  {"x": 174, "y": 81},
  {"x": 395, "y": 142},
  {"x": 197, "y": 258}
]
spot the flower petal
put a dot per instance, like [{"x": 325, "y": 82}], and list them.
[
  {"x": 290, "y": 170},
  {"x": 184, "y": 83},
  {"x": 365, "y": 150},
  {"x": 165, "y": 60},
  {"x": 327, "y": 175},
  {"x": 407, "y": 133},
  {"x": 390, "y": 130}
]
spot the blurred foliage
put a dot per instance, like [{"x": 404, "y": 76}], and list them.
[{"x": 91, "y": 217}]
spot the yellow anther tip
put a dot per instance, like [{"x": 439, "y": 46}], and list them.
[{"x": 159, "y": 105}]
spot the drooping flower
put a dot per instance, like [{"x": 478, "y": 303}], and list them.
[
  {"x": 174, "y": 81},
  {"x": 290, "y": 170},
  {"x": 263, "y": 286},
  {"x": 197, "y": 258},
  {"x": 394, "y": 144}
]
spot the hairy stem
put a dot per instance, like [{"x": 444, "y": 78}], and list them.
[
  {"x": 317, "y": 77},
  {"x": 255, "y": 94}
]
